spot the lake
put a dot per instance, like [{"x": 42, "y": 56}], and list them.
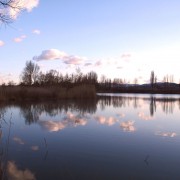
[{"x": 116, "y": 136}]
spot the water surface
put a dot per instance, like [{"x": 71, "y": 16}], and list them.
[{"x": 116, "y": 136}]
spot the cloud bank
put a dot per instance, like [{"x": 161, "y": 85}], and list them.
[{"x": 55, "y": 54}]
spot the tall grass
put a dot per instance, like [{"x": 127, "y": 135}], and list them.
[{"x": 21, "y": 93}]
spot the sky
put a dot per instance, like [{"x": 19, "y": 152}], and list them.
[{"x": 117, "y": 38}]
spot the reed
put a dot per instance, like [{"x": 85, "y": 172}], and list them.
[{"x": 22, "y": 93}]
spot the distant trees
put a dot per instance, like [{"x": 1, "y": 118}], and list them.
[
  {"x": 168, "y": 79},
  {"x": 152, "y": 79},
  {"x": 31, "y": 75}
]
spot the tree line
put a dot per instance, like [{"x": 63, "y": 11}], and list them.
[{"x": 33, "y": 76}]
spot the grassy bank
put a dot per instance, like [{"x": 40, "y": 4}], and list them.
[{"x": 23, "y": 93}]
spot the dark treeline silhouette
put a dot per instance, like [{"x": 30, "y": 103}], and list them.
[
  {"x": 37, "y": 85},
  {"x": 32, "y": 76},
  {"x": 118, "y": 85}
]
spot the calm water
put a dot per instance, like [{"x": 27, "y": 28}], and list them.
[{"x": 117, "y": 136}]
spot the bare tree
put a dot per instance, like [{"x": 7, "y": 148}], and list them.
[
  {"x": 8, "y": 9},
  {"x": 152, "y": 79},
  {"x": 30, "y": 73}
]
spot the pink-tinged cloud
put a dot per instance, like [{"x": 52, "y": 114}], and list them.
[
  {"x": 1, "y": 43},
  {"x": 17, "y": 174},
  {"x": 128, "y": 126},
  {"x": 55, "y": 54},
  {"x": 36, "y": 31},
  {"x": 19, "y": 39},
  {"x": 26, "y": 5}
]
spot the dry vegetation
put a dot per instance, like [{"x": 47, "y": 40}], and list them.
[{"x": 22, "y": 93}]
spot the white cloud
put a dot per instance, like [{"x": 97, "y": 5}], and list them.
[
  {"x": 36, "y": 31},
  {"x": 19, "y": 39},
  {"x": 54, "y": 54},
  {"x": 27, "y": 5},
  {"x": 30, "y": 4},
  {"x": 14, "y": 173},
  {"x": 1, "y": 43}
]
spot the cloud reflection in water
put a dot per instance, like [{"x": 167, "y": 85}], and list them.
[
  {"x": 18, "y": 140},
  {"x": 69, "y": 120},
  {"x": 128, "y": 126},
  {"x": 16, "y": 174},
  {"x": 34, "y": 148},
  {"x": 167, "y": 134},
  {"x": 144, "y": 117},
  {"x": 106, "y": 121}
]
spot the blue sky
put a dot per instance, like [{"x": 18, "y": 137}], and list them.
[{"x": 117, "y": 38}]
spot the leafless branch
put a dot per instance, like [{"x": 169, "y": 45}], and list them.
[{"x": 5, "y": 6}]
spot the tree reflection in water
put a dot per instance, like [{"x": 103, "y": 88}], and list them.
[
  {"x": 167, "y": 103},
  {"x": 32, "y": 111}
]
